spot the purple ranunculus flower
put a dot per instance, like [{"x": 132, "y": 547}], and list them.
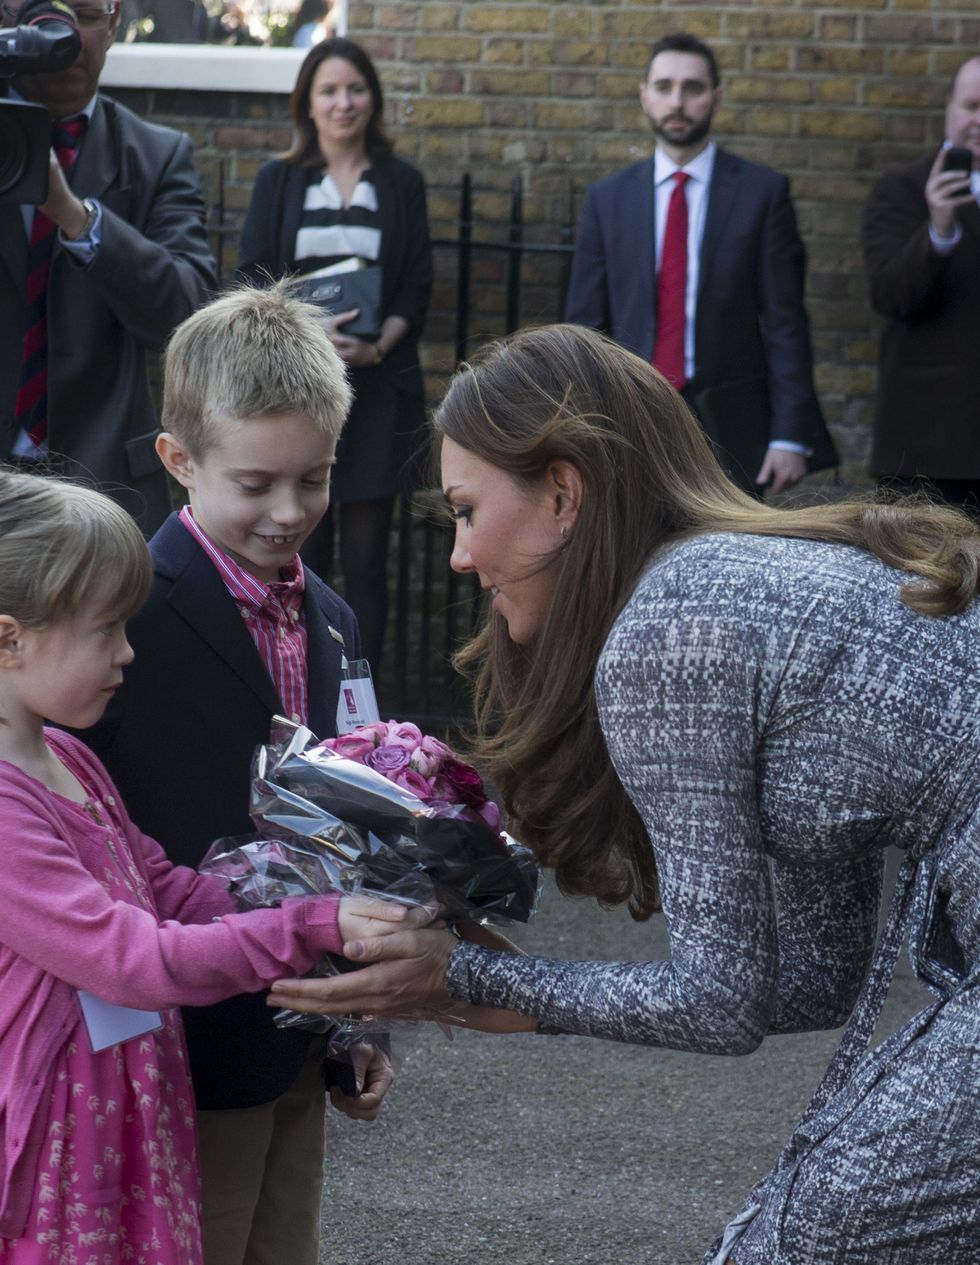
[
  {"x": 387, "y": 760},
  {"x": 429, "y": 756}
]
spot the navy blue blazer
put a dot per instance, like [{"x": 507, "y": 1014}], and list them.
[
  {"x": 751, "y": 323},
  {"x": 178, "y": 741}
]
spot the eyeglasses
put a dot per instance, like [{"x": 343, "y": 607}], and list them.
[{"x": 88, "y": 19}]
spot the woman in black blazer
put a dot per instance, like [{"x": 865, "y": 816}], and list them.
[{"x": 337, "y": 200}]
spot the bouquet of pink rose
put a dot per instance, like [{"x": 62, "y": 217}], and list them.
[
  {"x": 384, "y": 808},
  {"x": 418, "y": 763}
]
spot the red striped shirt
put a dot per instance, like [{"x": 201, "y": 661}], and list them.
[{"x": 273, "y": 615}]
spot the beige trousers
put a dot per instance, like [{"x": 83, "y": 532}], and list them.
[{"x": 261, "y": 1175}]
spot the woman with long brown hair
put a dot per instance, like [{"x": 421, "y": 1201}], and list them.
[
  {"x": 339, "y": 201},
  {"x": 689, "y": 697}
]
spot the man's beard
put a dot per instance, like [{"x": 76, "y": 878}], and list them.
[{"x": 683, "y": 139}]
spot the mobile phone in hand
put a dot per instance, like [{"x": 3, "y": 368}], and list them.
[{"x": 958, "y": 158}]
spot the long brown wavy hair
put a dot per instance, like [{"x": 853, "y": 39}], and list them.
[{"x": 649, "y": 476}]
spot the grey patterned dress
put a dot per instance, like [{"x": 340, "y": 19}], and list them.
[{"x": 779, "y": 716}]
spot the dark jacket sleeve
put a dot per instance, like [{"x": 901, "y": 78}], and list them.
[
  {"x": 904, "y": 272},
  {"x": 164, "y": 251},
  {"x": 782, "y": 314},
  {"x": 412, "y": 284},
  {"x": 588, "y": 301},
  {"x": 259, "y": 254}
]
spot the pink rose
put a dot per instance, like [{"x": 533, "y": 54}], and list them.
[
  {"x": 402, "y": 733},
  {"x": 409, "y": 780},
  {"x": 387, "y": 760},
  {"x": 430, "y": 755},
  {"x": 461, "y": 782},
  {"x": 432, "y": 746},
  {"x": 352, "y": 746}
]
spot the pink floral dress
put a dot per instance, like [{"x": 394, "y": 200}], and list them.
[{"x": 117, "y": 1178}]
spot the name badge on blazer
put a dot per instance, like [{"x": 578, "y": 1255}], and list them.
[{"x": 357, "y": 704}]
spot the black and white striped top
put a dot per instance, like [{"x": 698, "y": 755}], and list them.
[{"x": 330, "y": 232}]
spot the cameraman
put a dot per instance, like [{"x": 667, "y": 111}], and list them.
[{"x": 95, "y": 279}]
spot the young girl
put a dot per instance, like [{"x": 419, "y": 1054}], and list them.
[{"x": 97, "y": 1134}]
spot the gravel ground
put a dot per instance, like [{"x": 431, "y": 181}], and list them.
[{"x": 528, "y": 1150}]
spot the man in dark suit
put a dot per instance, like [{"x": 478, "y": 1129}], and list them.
[
  {"x": 713, "y": 292},
  {"x": 128, "y": 260},
  {"x": 921, "y": 239}
]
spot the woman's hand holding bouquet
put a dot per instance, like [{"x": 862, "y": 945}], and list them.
[
  {"x": 391, "y": 815},
  {"x": 404, "y": 973}
]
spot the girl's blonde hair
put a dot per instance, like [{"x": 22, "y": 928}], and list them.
[
  {"x": 63, "y": 545},
  {"x": 567, "y": 393}
]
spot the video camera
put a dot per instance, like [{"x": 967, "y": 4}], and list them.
[{"x": 46, "y": 40}]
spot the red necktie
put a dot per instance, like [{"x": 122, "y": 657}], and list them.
[
  {"x": 668, "y": 349},
  {"x": 31, "y": 405}
]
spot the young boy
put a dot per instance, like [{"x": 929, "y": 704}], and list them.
[{"x": 235, "y": 631}]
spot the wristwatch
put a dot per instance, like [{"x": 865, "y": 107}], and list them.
[{"x": 91, "y": 215}]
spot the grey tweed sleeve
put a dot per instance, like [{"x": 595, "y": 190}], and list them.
[{"x": 684, "y": 688}]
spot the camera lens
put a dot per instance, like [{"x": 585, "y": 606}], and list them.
[
  {"x": 25, "y": 142},
  {"x": 14, "y": 152}
]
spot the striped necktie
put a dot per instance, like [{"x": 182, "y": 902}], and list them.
[{"x": 31, "y": 405}]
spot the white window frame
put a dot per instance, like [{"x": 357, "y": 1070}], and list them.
[
  {"x": 204, "y": 67},
  {"x": 207, "y": 67}
]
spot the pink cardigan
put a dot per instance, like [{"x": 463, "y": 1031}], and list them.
[{"x": 59, "y": 931}]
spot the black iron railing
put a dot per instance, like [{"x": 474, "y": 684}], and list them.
[{"x": 434, "y": 609}]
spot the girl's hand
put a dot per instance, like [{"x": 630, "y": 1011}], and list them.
[
  {"x": 374, "y": 1075},
  {"x": 364, "y": 917},
  {"x": 408, "y": 974}
]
